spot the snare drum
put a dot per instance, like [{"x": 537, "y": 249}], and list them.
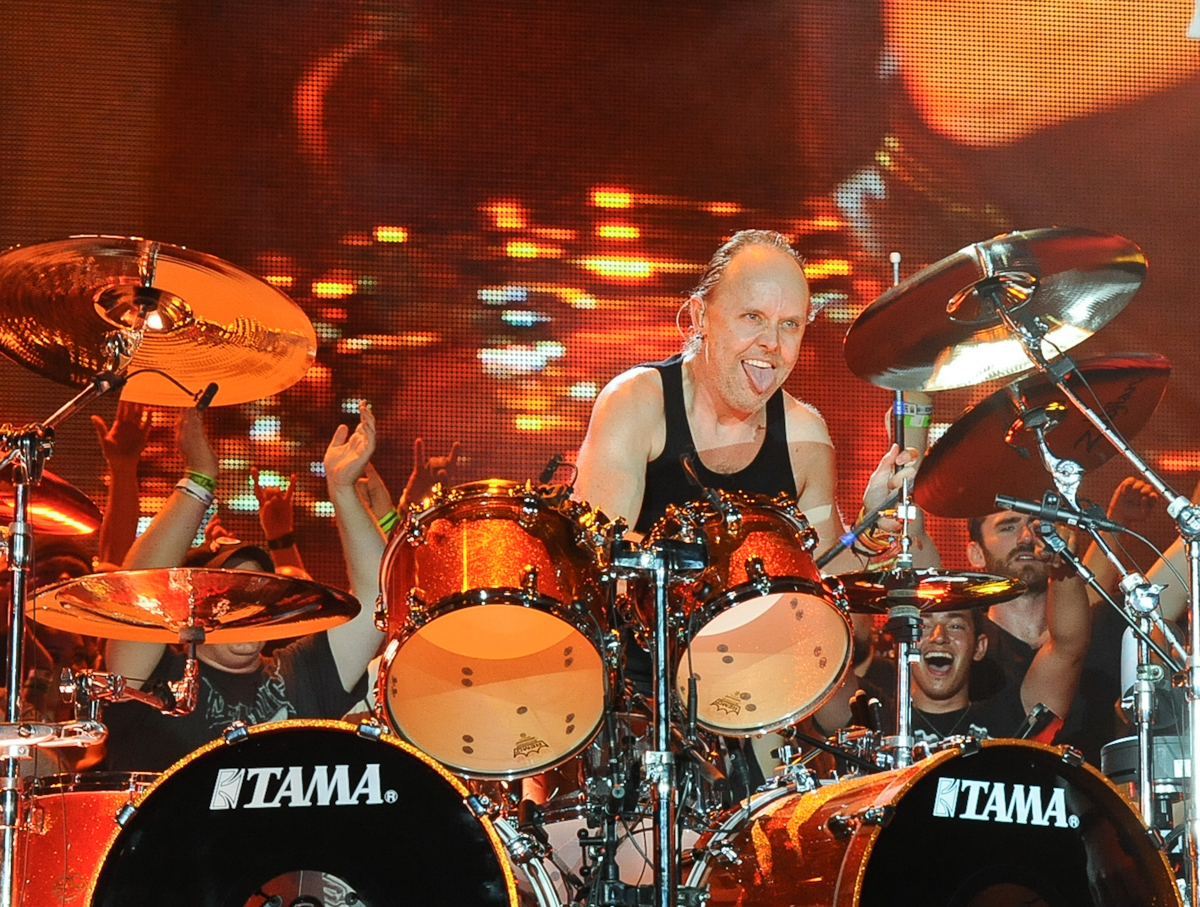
[
  {"x": 67, "y": 822},
  {"x": 1016, "y": 823},
  {"x": 259, "y": 814},
  {"x": 495, "y": 616},
  {"x": 766, "y": 640}
]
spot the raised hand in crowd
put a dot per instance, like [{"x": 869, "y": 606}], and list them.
[
  {"x": 427, "y": 472},
  {"x": 276, "y": 514},
  {"x": 355, "y": 643},
  {"x": 121, "y": 444}
]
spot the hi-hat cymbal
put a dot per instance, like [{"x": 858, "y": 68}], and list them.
[
  {"x": 61, "y": 302},
  {"x": 153, "y": 605},
  {"x": 989, "y": 451},
  {"x": 56, "y": 507},
  {"x": 930, "y": 590},
  {"x": 937, "y": 331}
]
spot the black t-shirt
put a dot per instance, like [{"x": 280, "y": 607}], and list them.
[
  {"x": 997, "y": 716},
  {"x": 299, "y": 680},
  {"x": 1093, "y": 719}
]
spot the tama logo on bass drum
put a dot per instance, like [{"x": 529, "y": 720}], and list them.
[
  {"x": 297, "y": 785},
  {"x": 995, "y": 801}
]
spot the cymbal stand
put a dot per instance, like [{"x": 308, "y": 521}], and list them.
[
  {"x": 1030, "y": 331},
  {"x": 663, "y": 558},
  {"x": 904, "y": 623},
  {"x": 28, "y": 448},
  {"x": 87, "y": 689}
]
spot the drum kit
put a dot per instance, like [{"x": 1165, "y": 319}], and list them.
[{"x": 508, "y": 609}]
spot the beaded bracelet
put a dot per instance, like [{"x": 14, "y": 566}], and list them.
[{"x": 195, "y": 490}]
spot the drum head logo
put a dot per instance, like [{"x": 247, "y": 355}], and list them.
[
  {"x": 995, "y": 801},
  {"x": 529, "y": 746},
  {"x": 296, "y": 785}
]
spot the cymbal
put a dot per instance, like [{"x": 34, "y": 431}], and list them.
[
  {"x": 56, "y": 507},
  {"x": 62, "y": 301},
  {"x": 936, "y": 330},
  {"x": 153, "y": 605},
  {"x": 875, "y": 591},
  {"x": 980, "y": 455}
]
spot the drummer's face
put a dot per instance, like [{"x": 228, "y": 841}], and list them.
[
  {"x": 948, "y": 646},
  {"x": 752, "y": 322},
  {"x": 1011, "y": 546}
]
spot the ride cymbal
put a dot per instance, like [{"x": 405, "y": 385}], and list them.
[
  {"x": 62, "y": 303},
  {"x": 930, "y": 590},
  {"x": 154, "y": 605},
  {"x": 939, "y": 329},
  {"x": 990, "y": 450}
]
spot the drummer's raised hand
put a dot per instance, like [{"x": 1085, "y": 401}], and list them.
[
  {"x": 349, "y": 452},
  {"x": 427, "y": 472}
]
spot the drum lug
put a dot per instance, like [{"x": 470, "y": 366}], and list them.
[
  {"x": 1072, "y": 756},
  {"x": 238, "y": 732},
  {"x": 124, "y": 814},
  {"x": 380, "y": 614},
  {"x": 529, "y": 584},
  {"x": 370, "y": 728},
  {"x": 417, "y": 615},
  {"x": 844, "y": 825},
  {"x": 758, "y": 575}
]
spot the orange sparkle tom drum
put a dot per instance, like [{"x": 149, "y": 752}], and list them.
[
  {"x": 767, "y": 641},
  {"x": 496, "y": 624}
]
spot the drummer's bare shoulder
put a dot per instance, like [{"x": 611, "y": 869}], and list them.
[
  {"x": 626, "y": 431},
  {"x": 804, "y": 423}
]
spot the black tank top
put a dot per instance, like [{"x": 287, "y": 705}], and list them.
[{"x": 770, "y": 472}]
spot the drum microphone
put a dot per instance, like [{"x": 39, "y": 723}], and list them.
[
  {"x": 551, "y": 468},
  {"x": 206, "y": 397},
  {"x": 1050, "y": 511}
]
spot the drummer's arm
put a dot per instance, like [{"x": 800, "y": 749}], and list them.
[
  {"x": 165, "y": 543},
  {"x": 355, "y": 642},
  {"x": 1054, "y": 673},
  {"x": 612, "y": 460}
]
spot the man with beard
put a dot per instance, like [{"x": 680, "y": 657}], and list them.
[{"x": 1008, "y": 544}]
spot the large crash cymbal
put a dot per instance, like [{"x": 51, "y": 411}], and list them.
[
  {"x": 56, "y": 507},
  {"x": 936, "y": 330},
  {"x": 62, "y": 301},
  {"x": 153, "y": 605},
  {"x": 989, "y": 450},
  {"x": 930, "y": 590}
]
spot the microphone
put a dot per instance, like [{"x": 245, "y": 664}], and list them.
[
  {"x": 206, "y": 397},
  {"x": 551, "y": 468},
  {"x": 1050, "y": 511}
]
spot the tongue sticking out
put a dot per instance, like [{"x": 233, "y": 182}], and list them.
[{"x": 760, "y": 377}]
